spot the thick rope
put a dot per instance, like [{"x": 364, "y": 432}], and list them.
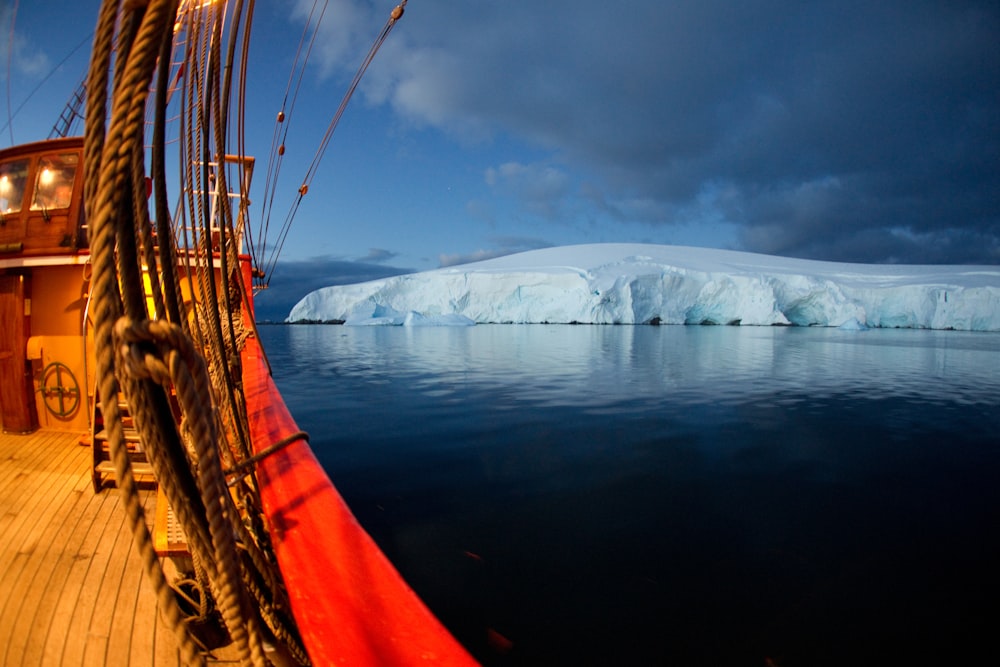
[
  {"x": 113, "y": 204},
  {"x": 161, "y": 352},
  {"x": 147, "y": 359},
  {"x": 105, "y": 178}
]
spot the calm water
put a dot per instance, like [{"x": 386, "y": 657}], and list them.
[{"x": 671, "y": 495}]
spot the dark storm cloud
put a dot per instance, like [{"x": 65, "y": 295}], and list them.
[
  {"x": 292, "y": 280},
  {"x": 829, "y": 129}
]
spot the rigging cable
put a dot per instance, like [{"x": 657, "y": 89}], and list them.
[
  {"x": 10, "y": 61},
  {"x": 72, "y": 106},
  {"x": 272, "y": 260},
  {"x": 281, "y": 128}
]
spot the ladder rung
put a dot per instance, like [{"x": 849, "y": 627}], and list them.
[
  {"x": 131, "y": 435},
  {"x": 140, "y": 469}
]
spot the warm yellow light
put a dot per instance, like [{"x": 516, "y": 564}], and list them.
[
  {"x": 194, "y": 5},
  {"x": 4, "y": 184},
  {"x": 187, "y": 6},
  {"x": 46, "y": 177}
]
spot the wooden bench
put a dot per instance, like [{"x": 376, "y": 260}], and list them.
[{"x": 168, "y": 536}]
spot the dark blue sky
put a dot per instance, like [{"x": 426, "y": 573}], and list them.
[{"x": 832, "y": 129}]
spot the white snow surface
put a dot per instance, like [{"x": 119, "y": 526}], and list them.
[{"x": 627, "y": 283}]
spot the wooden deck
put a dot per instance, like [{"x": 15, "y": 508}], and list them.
[{"x": 72, "y": 591}]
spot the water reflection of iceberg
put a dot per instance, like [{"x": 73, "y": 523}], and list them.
[{"x": 598, "y": 366}]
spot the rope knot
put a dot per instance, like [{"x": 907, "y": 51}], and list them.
[{"x": 160, "y": 351}]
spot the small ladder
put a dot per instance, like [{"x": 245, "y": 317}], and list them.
[
  {"x": 168, "y": 536},
  {"x": 104, "y": 468}
]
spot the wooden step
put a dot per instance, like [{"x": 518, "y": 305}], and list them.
[
  {"x": 134, "y": 455},
  {"x": 139, "y": 469},
  {"x": 103, "y": 472},
  {"x": 122, "y": 406},
  {"x": 131, "y": 435}
]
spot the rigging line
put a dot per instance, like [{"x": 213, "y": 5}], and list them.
[
  {"x": 191, "y": 205},
  {"x": 10, "y": 67},
  {"x": 311, "y": 172},
  {"x": 291, "y": 76},
  {"x": 11, "y": 115},
  {"x": 275, "y": 149},
  {"x": 302, "y": 69},
  {"x": 244, "y": 293},
  {"x": 273, "y": 184},
  {"x": 394, "y": 16},
  {"x": 280, "y": 243},
  {"x": 241, "y": 125},
  {"x": 237, "y": 35}
]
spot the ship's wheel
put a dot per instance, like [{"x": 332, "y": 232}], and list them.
[{"x": 60, "y": 389}]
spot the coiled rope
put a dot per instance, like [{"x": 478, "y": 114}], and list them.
[
  {"x": 183, "y": 347},
  {"x": 104, "y": 181}
]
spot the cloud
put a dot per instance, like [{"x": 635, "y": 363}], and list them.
[
  {"x": 539, "y": 188},
  {"x": 826, "y": 120},
  {"x": 26, "y": 59},
  {"x": 503, "y": 245},
  {"x": 341, "y": 35},
  {"x": 378, "y": 256},
  {"x": 292, "y": 280}
]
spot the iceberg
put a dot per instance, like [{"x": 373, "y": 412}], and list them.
[{"x": 623, "y": 283}]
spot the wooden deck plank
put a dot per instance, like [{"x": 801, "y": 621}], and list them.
[
  {"x": 118, "y": 623},
  {"x": 11, "y": 463},
  {"x": 81, "y": 545},
  {"x": 72, "y": 590},
  {"x": 150, "y": 628},
  {"x": 122, "y": 630},
  {"x": 27, "y": 542},
  {"x": 36, "y": 589},
  {"x": 26, "y": 472},
  {"x": 62, "y": 586},
  {"x": 151, "y": 639},
  {"x": 106, "y": 595},
  {"x": 25, "y": 491},
  {"x": 108, "y": 526},
  {"x": 74, "y": 626}
]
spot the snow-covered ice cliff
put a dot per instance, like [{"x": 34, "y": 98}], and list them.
[{"x": 618, "y": 283}]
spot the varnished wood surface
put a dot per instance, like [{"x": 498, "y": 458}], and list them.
[{"x": 72, "y": 590}]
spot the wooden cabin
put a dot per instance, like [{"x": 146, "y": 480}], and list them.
[{"x": 44, "y": 284}]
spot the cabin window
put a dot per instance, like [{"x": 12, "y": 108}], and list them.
[
  {"x": 54, "y": 182},
  {"x": 12, "y": 178}
]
